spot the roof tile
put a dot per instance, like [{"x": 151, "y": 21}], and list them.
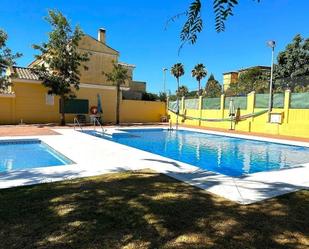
[{"x": 25, "y": 73}]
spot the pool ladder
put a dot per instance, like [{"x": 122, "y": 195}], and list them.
[
  {"x": 95, "y": 122},
  {"x": 76, "y": 123},
  {"x": 171, "y": 126}
]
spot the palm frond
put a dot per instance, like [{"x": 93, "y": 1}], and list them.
[{"x": 194, "y": 23}]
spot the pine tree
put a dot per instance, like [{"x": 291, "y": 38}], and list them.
[{"x": 213, "y": 88}]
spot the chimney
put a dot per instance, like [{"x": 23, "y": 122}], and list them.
[{"x": 101, "y": 35}]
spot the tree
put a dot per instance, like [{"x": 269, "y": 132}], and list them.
[
  {"x": 150, "y": 96},
  {"x": 61, "y": 59},
  {"x": 7, "y": 59},
  {"x": 118, "y": 77},
  {"x": 194, "y": 22},
  {"x": 292, "y": 70},
  {"x": 183, "y": 91},
  {"x": 192, "y": 94},
  {"x": 213, "y": 88},
  {"x": 162, "y": 96},
  {"x": 254, "y": 79},
  {"x": 199, "y": 72},
  {"x": 177, "y": 71}
]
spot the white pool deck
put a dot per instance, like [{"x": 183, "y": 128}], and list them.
[{"x": 95, "y": 156}]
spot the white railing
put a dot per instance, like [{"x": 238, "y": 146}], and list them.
[
  {"x": 171, "y": 126},
  {"x": 76, "y": 123},
  {"x": 95, "y": 122}
]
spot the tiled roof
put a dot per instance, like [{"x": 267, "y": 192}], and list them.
[{"x": 24, "y": 73}]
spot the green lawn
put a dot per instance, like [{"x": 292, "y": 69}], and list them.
[{"x": 146, "y": 210}]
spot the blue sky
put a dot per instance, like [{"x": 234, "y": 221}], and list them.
[{"x": 136, "y": 28}]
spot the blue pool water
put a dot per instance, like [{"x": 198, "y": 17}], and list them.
[
  {"x": 221, "y": 154},
  {"x": 21, "y": 154}
]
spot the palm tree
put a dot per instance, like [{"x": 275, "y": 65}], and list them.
[
  {"x": 183, "y": 91},
  {"x": 177, "y": 71},
  {"x": 199, "y": 72},
  {"x": 118, "y": 77}
]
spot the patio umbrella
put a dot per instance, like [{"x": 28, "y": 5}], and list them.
[
  {"x": 231, "y": 108},
  {"x": 99, "y": 104},
  {"x": 231, "y": 112}
]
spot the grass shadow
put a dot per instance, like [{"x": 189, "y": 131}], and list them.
[{"x": 145, "y": 210}]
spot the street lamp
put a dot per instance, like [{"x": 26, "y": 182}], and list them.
[
  {"x": 164, "y": 80},
  {"x": 272, "y": 45}
]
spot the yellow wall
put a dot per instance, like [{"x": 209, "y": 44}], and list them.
[
  {"x": 108, "y": 98},
  {"x": 28, "y": 105},
  {"x": 295, "y": 121},
  {"x": 7, "y": 108},
  {"x": 31, "y": 107},
  {"x": 141, "y": 111},
  {"x": 101, "y": 61}
]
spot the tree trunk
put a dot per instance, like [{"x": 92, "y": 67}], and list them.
[
  {"x": 118, "y": 104},
  {"x": 199, "y": 88},
  {"x": 177, "y": 104},
  {"x": 62, "y": 119}
]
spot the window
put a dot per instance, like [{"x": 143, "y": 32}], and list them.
[{"x": 49, "y": 99}]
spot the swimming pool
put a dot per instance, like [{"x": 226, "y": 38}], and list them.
[
  {"x": 30, "y": 153},
  {"x": 222, "y": 154}
]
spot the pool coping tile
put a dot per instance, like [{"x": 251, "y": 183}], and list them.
[{"x": 95, "y": 156}]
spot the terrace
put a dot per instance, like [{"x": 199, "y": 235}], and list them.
[
  {"x": 97, "y": 153},
  {"x": 145, "y": 189}
]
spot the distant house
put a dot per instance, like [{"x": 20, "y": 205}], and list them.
[
  {"x": 232, "y": 77},
  {"x": 34, "y": 105}
]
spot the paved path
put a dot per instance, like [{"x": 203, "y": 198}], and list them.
[{"x": 26, "y": 130}]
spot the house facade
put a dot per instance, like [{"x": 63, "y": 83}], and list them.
[
  {"x": 232, "y": 77},
  {"x": 28, "y": 100}
]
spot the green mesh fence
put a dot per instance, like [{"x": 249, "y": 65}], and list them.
[
  {"x": 299, "y": 100},
  {"x": 172, "y": 105},
  {"x": 239, "y": 102},
  {"x": 262, "y": 100},
  {"x": 191, "y": 103},
  {"x": 211, "y": 103}
]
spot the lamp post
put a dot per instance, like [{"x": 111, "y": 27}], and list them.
[
  {"x": 164, "y": 80},
  {"x": 272, "y": 45}
]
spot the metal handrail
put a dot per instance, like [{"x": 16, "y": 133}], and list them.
[
  {"x": 96, "y": 121},
  {"x": 77, "y": 122},
  {"x": 170, "y": 126}
]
